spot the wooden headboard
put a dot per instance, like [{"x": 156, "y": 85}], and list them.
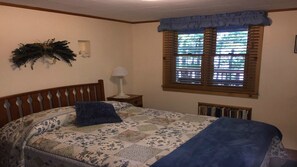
[{"x": 19, "y": 105}]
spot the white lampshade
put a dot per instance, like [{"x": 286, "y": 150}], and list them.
[{"x": 119, "y": 72}]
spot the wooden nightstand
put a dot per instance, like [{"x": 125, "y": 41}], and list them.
[{"x": 136, "y": 100}]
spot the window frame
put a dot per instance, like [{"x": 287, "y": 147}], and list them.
[{"x": 251, "y": 72}]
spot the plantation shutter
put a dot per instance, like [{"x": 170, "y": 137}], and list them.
[
  {"x": 169, "y": 51},
  {"x": 229, "y": 65},
  {"x": 209, "y": 50},
  {"x": 252, "y": 71}
]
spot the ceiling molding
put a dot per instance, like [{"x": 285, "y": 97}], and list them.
[
  {"x": 61, "y": 12},
  {"x": 281, "y": 10},
  {"x": 141, "y": 22},
  {"x": 103, "y": 18}
]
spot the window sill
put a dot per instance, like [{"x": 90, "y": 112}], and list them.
[{"x": 230, "y": 94}]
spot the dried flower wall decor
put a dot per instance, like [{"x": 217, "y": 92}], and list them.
[{"x": 50, "y": 49}]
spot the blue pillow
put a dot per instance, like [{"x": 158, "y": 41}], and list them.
[{"x": 91, "y": 113}]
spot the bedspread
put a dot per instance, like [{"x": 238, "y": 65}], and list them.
[
  {"x": 226, "y": 142},
  {"x": 14, "y": 135},
  {"x": 51, "y": 138},
  {"x": 144, "y": 136}
]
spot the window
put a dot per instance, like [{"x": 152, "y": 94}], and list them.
[
  {"x": 229, "y": 60},
  {"x": 189, "y": 58},
  {"x": 216, "y": 61}
]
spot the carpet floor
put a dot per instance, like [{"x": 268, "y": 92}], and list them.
[{"x": 290, "y": 163}]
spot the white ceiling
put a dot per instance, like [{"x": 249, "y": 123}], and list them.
[{"x": 151, "y": 10}]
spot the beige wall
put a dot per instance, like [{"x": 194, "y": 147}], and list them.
[
  {"x": 277, "y": 103},
  {"x": 110, "y": 46},
  {"x": 139, "y": 49}
]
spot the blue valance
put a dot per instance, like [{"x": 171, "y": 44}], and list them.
[{"x": 194, "y": 23}]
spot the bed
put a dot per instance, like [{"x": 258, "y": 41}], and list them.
[{"x": 40, "y": 128}]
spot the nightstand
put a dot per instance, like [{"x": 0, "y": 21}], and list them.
[{"x": 136, "y": 100}]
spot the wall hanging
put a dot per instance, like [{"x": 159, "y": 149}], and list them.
[{"x": 50, "y": 49}]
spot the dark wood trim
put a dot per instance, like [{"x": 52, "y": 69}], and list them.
[
  {"x": 19, "y": 105},
  {"x": 61, "y": 12},
  {"x": 103, "y": 18},
  {"x": 142, "y": 22},
  {"x": 281, "y": 10},
  {"x": 230, "y": 94},
  {"x": 252, "y": 68},
  {"x": 74, "y": 14},
  {"x": 135, "y": 100}
]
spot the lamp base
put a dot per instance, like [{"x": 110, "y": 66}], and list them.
[{"x": 121, "y": 96}]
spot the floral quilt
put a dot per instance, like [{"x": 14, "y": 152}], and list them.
[{"x": 51, "y": 138}]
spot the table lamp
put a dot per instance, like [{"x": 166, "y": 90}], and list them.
[{"x": 120, "y": 72}]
